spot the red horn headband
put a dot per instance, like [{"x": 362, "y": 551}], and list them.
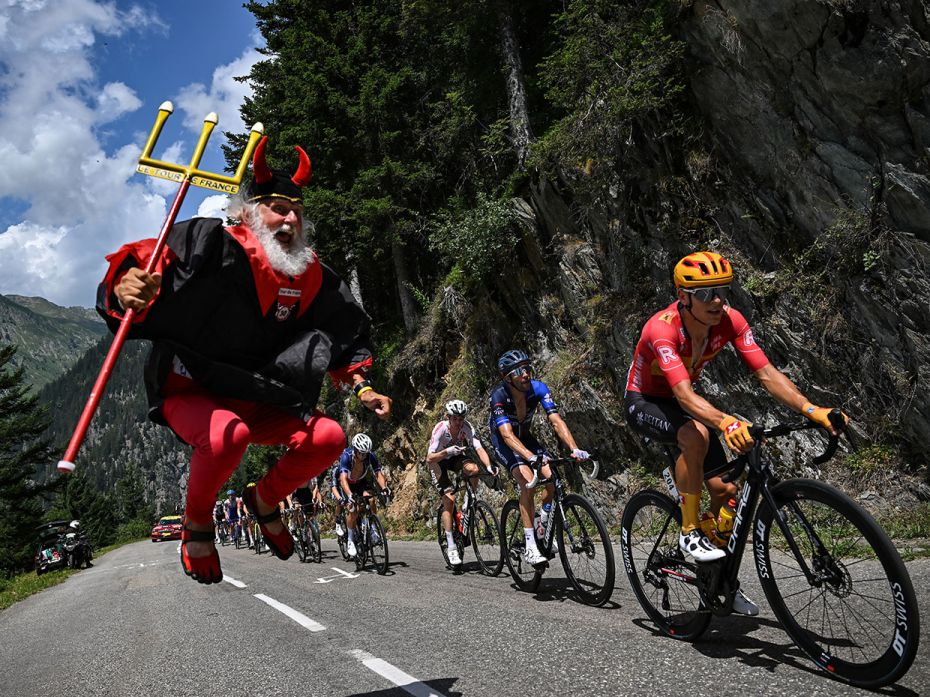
[{"x": 302, "y": 175}]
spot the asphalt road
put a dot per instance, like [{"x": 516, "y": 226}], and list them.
[{"x": 135, "y": 625}]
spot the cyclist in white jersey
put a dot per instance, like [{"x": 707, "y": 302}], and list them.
[{"x": 448, "y": 451}]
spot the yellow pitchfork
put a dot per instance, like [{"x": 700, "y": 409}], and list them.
[{"x": 186, "y": 176}]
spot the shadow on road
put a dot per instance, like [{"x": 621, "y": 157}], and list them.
[
  {"x": 731, "y": 637},
  {"x": 560, "y": 590},
  {"x": 441, "y": 685}
]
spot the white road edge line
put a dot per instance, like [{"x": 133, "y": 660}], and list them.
[
  {"x": 230, "y": 579},
  {"x": 406, "y": 682},
  {"x": 298, "y": 617}
]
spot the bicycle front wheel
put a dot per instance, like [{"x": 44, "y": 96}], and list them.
[
  {"x": 837, "y": 584},
  {"x": 486, "y": 539},
  {"x": 586, "y": 552},
  {"x": 513, "y": 544},
  {"x": 377, "y": 545},
  {"x": 663, "y": 581},
  {"x": 316, "y": 548},
  {"x": 300, "y": 541},
  {"x": 443, "y": 542}
]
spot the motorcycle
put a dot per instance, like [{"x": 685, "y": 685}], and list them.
[{"x": 79, "y": 550}]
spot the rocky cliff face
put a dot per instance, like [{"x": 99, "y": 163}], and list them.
[{"x": 806, "y": 162}]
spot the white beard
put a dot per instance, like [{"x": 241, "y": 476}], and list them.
[{"x": 292, "y": 261}]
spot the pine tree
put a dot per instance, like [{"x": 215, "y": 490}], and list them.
[{"x": 23, "y": 449}]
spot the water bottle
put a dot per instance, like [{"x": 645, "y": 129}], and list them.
[
  {"x": 458, "y": 520},
  {"x": 708, "y": 525},
  {"x": 725, "y": 519}
]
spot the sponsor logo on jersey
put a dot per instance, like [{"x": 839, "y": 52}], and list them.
[{"x": 666, "y": 354}]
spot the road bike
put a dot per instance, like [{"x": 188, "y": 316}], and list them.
[
  {"x": 370, "y": 538},
  {"x": 574, "y": 530},
  {"x": 222, "y": 532},
  {"x": 306, "y": 533},
  {"x": 258, "y": 540},
  {"x": 476, "y": 524},
  {"x": 829, "y": 572}
]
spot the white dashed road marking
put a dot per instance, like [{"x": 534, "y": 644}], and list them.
[
  {"x": 230, "y": 579},
  {"x": 344, "y": 573},
  {"x": 298, "y": 617},
  {"x": 406, "y": 682}
]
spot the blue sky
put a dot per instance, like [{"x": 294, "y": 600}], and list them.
[{"x": 80, "y": 85}]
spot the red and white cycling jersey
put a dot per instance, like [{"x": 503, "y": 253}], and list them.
[
  {"x": 664, "y": 357},
  {"x": 442, "y": 437}
]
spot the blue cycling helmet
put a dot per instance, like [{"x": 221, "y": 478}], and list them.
[
  {"x": 511, "y": 359},
  {"x": 230, "y": 492}
]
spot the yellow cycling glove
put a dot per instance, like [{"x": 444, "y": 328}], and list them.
[
  {"x": 820, "y": 415},
  {"x": 736, "y": 433}
]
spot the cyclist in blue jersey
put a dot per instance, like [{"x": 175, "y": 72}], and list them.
[
  {"x": 355, "y": 464},
  {"x": 513, "y": 403},
  {"x": 232, "y": 506}
]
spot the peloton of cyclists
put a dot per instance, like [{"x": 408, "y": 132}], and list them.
[
  {"x": 513, "y": 403},
  {"x": 232, "y": 507},
  {"x": 355, "y": 464},
  {"x": 448, "y": 452},
  {"x": 660, "y": 401}
]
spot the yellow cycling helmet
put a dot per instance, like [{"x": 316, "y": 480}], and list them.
[{"x": 702, "y": 269}]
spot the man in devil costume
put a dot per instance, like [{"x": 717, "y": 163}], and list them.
[{"x": 245, "y": 323}]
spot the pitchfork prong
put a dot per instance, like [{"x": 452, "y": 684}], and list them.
[{"x": 197, "y": 177}]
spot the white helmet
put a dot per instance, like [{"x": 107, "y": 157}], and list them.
[
  {"x": 361, "y": 443},
  {"x": 456, "y": 408},
  {"x": 75, "y": 525}
]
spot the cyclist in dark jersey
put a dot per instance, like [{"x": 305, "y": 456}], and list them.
[
  {"x": 513, "y": 403},
  {"x": 355, "y": 464},
  {"x": 676, "y": 343}
]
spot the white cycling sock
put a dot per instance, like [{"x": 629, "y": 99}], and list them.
[
  {"x": 450, "y": 540},
  {"x": 530, "y": 536}
]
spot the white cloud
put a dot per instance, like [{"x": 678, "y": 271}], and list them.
[
  {"x": 83, "y": 198},
  {"x": 213, "y": 206},
  {"x": 224, "y": 95}
]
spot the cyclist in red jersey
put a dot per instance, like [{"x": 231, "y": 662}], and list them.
[{"x": 676, "y": 343}]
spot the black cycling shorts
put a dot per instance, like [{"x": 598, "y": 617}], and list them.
[
  {"x": 450, "y": 464},
  {"x": 659, "y": 418}
]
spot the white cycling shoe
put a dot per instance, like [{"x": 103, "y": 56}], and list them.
[
  {"x": 742, "y": 605},
  {"x": 533, "y": 557},
  {"x": 339, "y": 531},
  {"x": 698, "y": 546},
  {"x": 454, "y": 558},
  {"x": 350, "y": 549}
]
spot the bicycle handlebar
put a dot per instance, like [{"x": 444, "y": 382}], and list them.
[
  {"x": 759, "y": 433},
  {"x": 538, "y": 463}
]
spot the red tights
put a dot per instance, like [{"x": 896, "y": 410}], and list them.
[{"x": 220, "y": 429}]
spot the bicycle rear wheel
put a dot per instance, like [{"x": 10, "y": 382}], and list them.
[
  {"x": 486, "y": 539},
  {"x": 663, "y": 581},
  {"x": 443, "y": 542},
  {"x": 856, "y": 614},
  {"x": 377, "y": 544},
  {"x": 513, "y": 544},
  {"x": 585, "y": 550}
]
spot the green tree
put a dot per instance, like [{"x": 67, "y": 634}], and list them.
[{"x": 23, "y": 449}]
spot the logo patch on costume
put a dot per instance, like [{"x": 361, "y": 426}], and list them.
[{"x": 288, "y": 298}]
